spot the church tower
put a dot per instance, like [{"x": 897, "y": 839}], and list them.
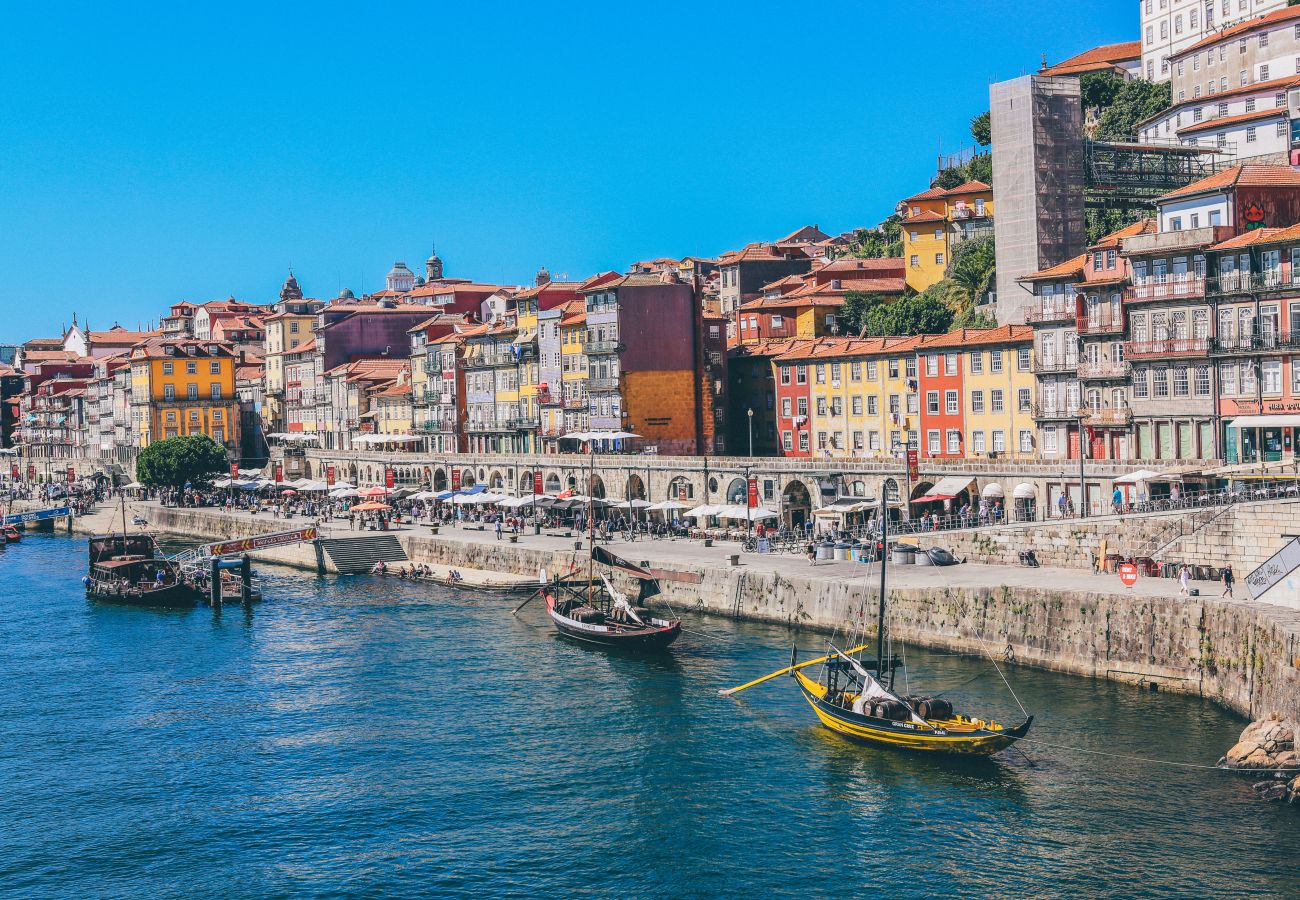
[
  {"x": 290, "y": 291},
  {"x": 432, "y": 267}
]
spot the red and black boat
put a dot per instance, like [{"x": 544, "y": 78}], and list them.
[
  {"x": 127, "y": 568},
  {"x": 595, "y": 612}
]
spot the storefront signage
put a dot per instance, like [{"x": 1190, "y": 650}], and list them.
[
  {"x": 330, "y": 475},
  {"x": 390, "y": 477},
  {"x": 455, "y": 479},
  {"x": 753, "y": 492}
]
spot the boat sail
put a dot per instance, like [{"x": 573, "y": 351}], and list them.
[{"x": 850, "y": 697}]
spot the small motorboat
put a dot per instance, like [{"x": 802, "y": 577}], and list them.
[{"x": 11, "y": 534}]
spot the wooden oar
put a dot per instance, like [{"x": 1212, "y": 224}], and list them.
[{"x": 727, "y": 692}]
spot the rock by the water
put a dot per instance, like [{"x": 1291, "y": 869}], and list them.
[{"x": 1266, "y": 744}]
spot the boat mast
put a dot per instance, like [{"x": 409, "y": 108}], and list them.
[
  {"x": 884, "y": 554},
  {"x": 591, "y": 515}
]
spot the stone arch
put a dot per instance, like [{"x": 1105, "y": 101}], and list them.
[
  {"x": 552, "y": 483},
  {"x": 439, "y": 481},
  {"x": 597, "y": 488},
  {"x": 482, "y": 474},
  {"x": 352, "y": 473},
  {"x": 572, "y": 481},
  {"x": 635, "y": 488},
  {"x": 858, "y": 489},
  {"x": 428, "y": 476},
  {"x": 796, "y": 504},
  {"x": 525, "y": 483},
  {"x": 496, "y": 481},
  {"x": 306, "y": 468},
  {"x": 370, "y": 477},
  {"x": 467, "y": 479},
  {"x": 675, "y": 489},
  {"x": 921, "y": 488},
  {"x": 737, "y": 492},
  {"x": 713, "y": 485}
]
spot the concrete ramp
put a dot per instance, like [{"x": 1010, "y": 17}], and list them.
[
  {"x": 1277, "y": 580},
  {"x": 357, "y": 555}
]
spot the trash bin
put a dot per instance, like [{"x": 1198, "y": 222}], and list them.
[
  {"x": 825, "y": 551},
  {"x": 921, "y": 558},
  {"x": 734, "y": 559},
  {"x": 843, "y": 551},
  {"x": 902, "y": 556}
]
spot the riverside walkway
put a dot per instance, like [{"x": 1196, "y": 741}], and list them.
[{"x": 693, "y": 553}]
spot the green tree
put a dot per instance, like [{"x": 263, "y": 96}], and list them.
[
  {"x": 974, "y": 263},
  {"x": 974, "y": 318},
  {"x": 981, "y": 129},
  {"x": 885, "y": 240},
  {"x": 921, "y": 314},
  {"x": 1099, "y": 89},
  {"x": 1135, "y": 101},
  {"x": 175, "y": 461},
  {"x": 979, "y": 168},
  {"x": 857, "y": 305}
]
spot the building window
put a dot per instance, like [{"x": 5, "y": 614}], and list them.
[
  {"x": 999, "y": 442},
  {"x": 932, "y": 402},
  {"x": 1049, "y": 439},
  {"x": 996, "y": 402},
  {"x": 977, "y": 402},
  {"x": 216, "y": 392},
  {"x": 1161, "y": 389},
  {"x": 801, "y": 374},
  {"x": 938, "y": 259},
  {"x": 1263, "y": 70},
  {"x": 995, "y": 360},
  {"x": 977, "y": 441},
  {"x": 1250, "y": 135},
  {"x": 950, "y": 364},
  {"x": 1180, "y": 382},
  {"x": 855, "y": 371},
  {"x": 785, "y": 374},
  {"x": 785, "y": 407},
  {"x": 787, "y": 441},
  {"x": 802, "y": 405},
  {"x": 954, "y": 442},
  {"x": 951, "y": 406},
  {"x": 168, "y": 368},
  {"x": 1026, "y": 441},
  {"x": 803, "y": 441},
  {"x": 820, "y": 372},
  {"x": 976, "y": 362},
  {"x": 1022, "y": 359},
  {"x": 1271, "y": 376},
  {"x": 1202, "y": 381},
  {"x": 1250, "y": 105},
  {"x": 169, "y": 392},
  {"x": 914, "y": 261},
  {"x": 1024, "y": 399},
  {"x": 932, "y": 440},
  {"x": 873, "y": 405},
  {"x": 931, "y": 364}
]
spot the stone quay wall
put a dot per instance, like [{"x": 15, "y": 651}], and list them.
[{"x": 1241, "y": 654}]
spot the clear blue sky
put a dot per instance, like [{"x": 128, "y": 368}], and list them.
[{"x": 193, "y": 151}]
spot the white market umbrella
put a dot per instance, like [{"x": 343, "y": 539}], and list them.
[{"x": 342, "y": 493}]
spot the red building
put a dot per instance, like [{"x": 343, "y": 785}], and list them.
[{"x": 939, "y": 373}]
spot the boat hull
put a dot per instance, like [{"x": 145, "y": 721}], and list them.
[
  {"x": 172, "y": 597},
  {"x": 956, "y": 739},
  {"x": 651, "y": 637}
]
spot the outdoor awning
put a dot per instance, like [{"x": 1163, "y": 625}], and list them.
[
  {"x": 1138, "y": 476},
  {"x": 1277, "y": 421},
  {"x": 949, "y": 488},
  {"x": 1025, "y": 491},
  {"x": 524, "y": 337},
  {"x": 992, "y": 491},
  {"x": 701, "y": 511}
]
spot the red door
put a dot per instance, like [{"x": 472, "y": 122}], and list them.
[{"x": 1097, "y": 449}]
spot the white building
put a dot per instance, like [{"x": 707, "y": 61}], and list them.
[
  {"x": 1231, "y": 89},
  {"x": 1168, "y": 27}
]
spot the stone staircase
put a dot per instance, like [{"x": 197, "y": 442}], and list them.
[{"x": 357, "y": 555}]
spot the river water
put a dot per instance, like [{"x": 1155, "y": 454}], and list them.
[{"x": 361, "y": 737}]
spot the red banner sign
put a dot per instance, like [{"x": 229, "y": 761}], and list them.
[
  {"x": 330, "y": 474},
  {"x": 279, "y": 472},
  {"x": 753, "y": 492},
  {"x": 390, "y": 478},
  {"x": 13, "y": 471},
  {"x": 234, "y": 471},
  {"x": 681, "y": 492},
  {"x": 262, "y": 541},
  {"x": 537, "y": 483},
  {"x": 72, "y": 474},
  {"x": 913, "y": 465},
  {"x": 31, "y": 472},
  {"x": 455, "y": 479}
]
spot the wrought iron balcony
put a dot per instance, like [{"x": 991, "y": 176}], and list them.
[
  {"x": 1062, "y": 313},
  {"x": 1055, "y": 364},
  {"x": 1172, "y": 347},
  {"x": 1108, "y": 416},
  {"x": 596, "y": 347},
  {"x": 1104, "y": 369},
  {"x": 1105, "y": 324},
  {"x": 1053, "y": 413},
  {"x": 602, "y": 384},
  {"x": 1232, "y": 283},
  {"x": 524, "y": 423},
  {"x": 1257, "y": 343},
  {"x": 1170, "y": 288},
  {"x": 578, "y": 402}
]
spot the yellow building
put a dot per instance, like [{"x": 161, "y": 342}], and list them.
[
  {"x": 997, "y": 390},
  {"x": 184, "y": 387},
  {"x": 935, "y": 222},
  {"x": 391, "y": 405},
  {"x": 573, "y": 366}
]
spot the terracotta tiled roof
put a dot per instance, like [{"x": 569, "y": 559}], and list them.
[
  {"x": 305, "y": 347},
  {"x": 1142, "y": 226},
  {"x": 1239, "y": 176},
  {"x": 934, "y": 193},
  {"x": 1071, "y": 268},
  {"x": 34, "y": 356},
  {"x": 925, "y": 216},
  {"x": 1241, "y": 29},
  {"x": 969, "y": 187},
  {"x": 120, "y": 336},
  {"x": 966, "y": 337},
  {"x": 1097, "y": 59},
  {"x": 1258, "y": 115},
  {"x": 1260, "y": 236},
  {"x": 1272, "y": 86}
]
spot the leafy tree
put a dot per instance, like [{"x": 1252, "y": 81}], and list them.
[
  {"x": 857, "y": 304},
  {"x": 1099, "y": 89},
  {"x": 973, "y": 318},
  {"x": 981, "y": 129},
  {"x": 885, "y": 240},
  {"x": 971, "y": 272},
  {"x": 980, "y": 168},
  {"x": 1135, "y": 101},
  {"x": 175, "y": 461},
  {"x": 924, "y": 313}
]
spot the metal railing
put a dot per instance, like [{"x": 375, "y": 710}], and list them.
[
  {"x": 1172, "y": 288},
  {"x": 603, "y": 347},
  {"x": 1052, "y": 413},
  {"x": 602, "y": 384},
  {"x": 1104, "y": 368},
  {"x": 1108, "y": 415},
  {"x": 1167, "y": 347},
  {"x": 1055, "y": 364},
  {"x": 1106, "y": 324},
  {"x": 1056, "y": 312},
  {"x": 1250, "y": 283},
  {"x": 1256, "y": 343}
]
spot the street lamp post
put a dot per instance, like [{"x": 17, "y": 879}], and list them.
[
  {"x": 1083, "y": 484},
  {"x": 750, "y": 415}
]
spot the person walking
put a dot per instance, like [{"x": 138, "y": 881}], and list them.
[
  {"x": 498, "y": 528},
  {"x": 1184, "y": 576},
  {"x": 1228, "y": 580},
  {"x": 812, "y": 553}
]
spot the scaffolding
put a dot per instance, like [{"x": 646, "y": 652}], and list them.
[{"x": 1129, "y": 177}]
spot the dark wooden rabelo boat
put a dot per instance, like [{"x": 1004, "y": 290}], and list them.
[
  {"x": 127, "y": 568},
  {"x": 596, "y": 612}
]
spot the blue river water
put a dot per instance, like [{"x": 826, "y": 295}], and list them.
[{"x": 363, "y": 737}]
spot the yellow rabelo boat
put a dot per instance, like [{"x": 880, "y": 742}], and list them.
[{"x": 849, "y": 698}]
